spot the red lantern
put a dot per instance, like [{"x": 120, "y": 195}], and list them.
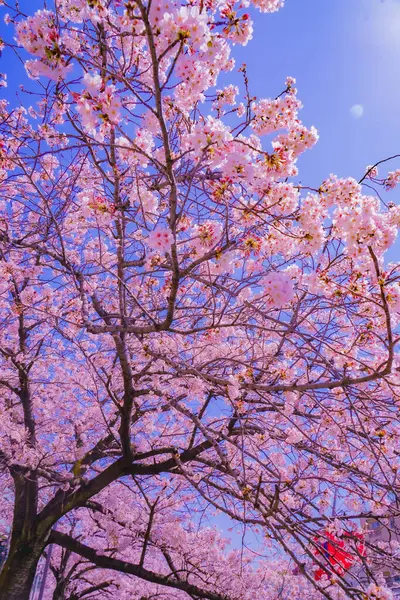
[{"x": 341, "y": 552}]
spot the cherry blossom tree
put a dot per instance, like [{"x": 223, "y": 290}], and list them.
[{"x": 186, "y": 332}]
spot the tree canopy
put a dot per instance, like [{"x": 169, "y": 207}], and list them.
[{"x": 186, "y": 331}]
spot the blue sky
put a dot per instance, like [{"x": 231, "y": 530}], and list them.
[{"x": 342, "y": 53}]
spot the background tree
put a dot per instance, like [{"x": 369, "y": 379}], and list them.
[{"x": 185, "y": 331}]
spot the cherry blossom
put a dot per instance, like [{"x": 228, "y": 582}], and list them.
[
  {"x": 392, "y": 179},
  {"x": 198, "y": 351},
  {"x": 160, "y": 239},
  {"x": 279, "y": 288}
]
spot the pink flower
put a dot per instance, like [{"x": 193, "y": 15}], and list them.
[
  {"x": 372, "y": 172},
  {"x": 92, "y": 83},
  {"x": 207, "y": 235},
  {"x": 392, "y": 179},
  {"x": 226, "y": 96},
  {"x": 375, "y": 592},
  {"x": 279, "y": 287},
  {"x": 268, "y": 6},
  {"x": 160, "y": 239}
]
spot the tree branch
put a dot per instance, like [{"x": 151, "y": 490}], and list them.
[{"x": 106, "y": 562}]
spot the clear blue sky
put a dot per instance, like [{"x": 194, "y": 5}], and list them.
[{"x": 342, "y": 53}]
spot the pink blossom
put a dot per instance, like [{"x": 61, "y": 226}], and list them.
[
  {"x": 372, "y": 171},
  {"x": 92, "y": 83},
  {"x": 375, "y": 592},
  {"x": 279, "y": 288},
  {"x": 226, "y": 96},
  {"x": 207, "y": 235},
  {"x": 160, "y": 239},
  {"x": 392, "y": 179}
]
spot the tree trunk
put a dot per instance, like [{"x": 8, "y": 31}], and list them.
[
  {"x": 18, "y": 572},
  {"x": 58, "y": 593}
]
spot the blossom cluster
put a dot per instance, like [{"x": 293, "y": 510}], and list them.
[
  {"x": 279, "y": 287},
  {"x": 392, "y": 179}
]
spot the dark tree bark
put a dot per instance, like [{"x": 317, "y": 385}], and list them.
[{"x": 17, "y": 575}]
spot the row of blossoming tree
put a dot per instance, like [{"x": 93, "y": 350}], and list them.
[{"x": 186, "y": 332}]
